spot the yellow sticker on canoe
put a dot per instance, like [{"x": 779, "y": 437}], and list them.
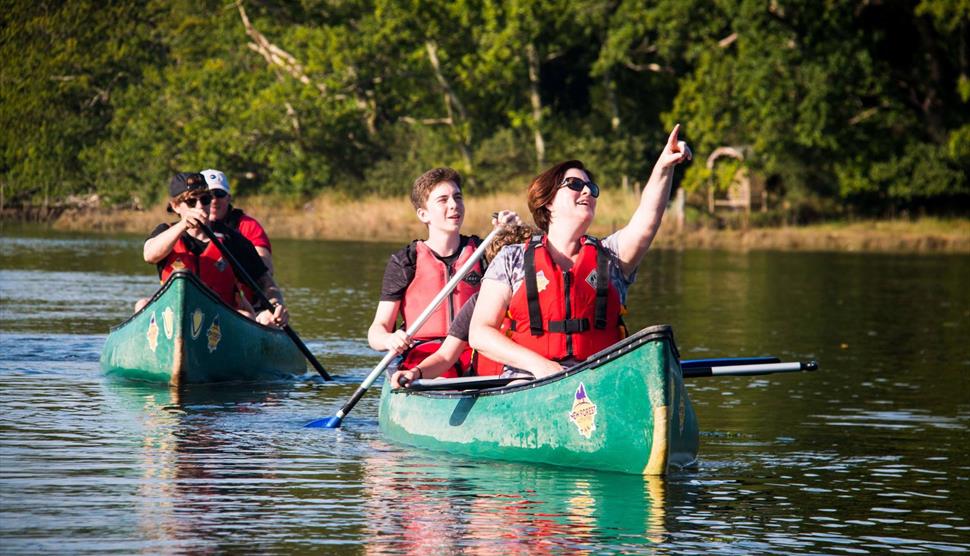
[
  {"x": 197, "y": 317},
  {"x": 152, "y": 333},
  {"x": 168, "y": 319},
  {"x": 583, "y": 414},
  {"x": 214, "y": 334}
]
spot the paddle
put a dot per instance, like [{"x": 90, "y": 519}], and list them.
[
  {"x": 334, "y": 422},
  {"x": 261, "y": 297},
  {"x": 725, "y": 361},
  {"x": 695, "y": 371},
  {"x": 748, "y": 370}
]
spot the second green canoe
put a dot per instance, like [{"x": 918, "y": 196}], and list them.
[{"x": 625, "y": 409}]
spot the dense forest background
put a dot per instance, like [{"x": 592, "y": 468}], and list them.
[{"x": 833, "y": 107}]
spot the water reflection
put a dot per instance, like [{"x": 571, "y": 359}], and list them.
[
  {"x": 868, "y": 455},
  {"x": 418, "y": 505},
  {"x": 192, "y": 465}
]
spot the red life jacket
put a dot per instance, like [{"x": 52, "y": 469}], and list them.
[
  {"x": 566, "y": 314},
  {"x": 483, "y": 366},
  {"x": 252, "y": 230},
  {"x": 214, "y": 271},
  {"x": 417, "y": 354},
  {"x": 430, "y": 277}
]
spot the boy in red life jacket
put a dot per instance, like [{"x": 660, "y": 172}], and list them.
[
  {"x": 183, "y": 246},
  {"x": 456, "y": 344},
  {"x": 222, "y": 211},
  {"x": 415, "y": 274}
]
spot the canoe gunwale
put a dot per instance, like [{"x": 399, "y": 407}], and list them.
[
  {"x": 648, "y": 334},
  {"x": 192, "y": 278}
]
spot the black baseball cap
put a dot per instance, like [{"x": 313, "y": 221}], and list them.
[{"x": 186, "y": 181}]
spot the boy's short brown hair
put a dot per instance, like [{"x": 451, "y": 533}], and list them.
[{"x": 427, "y": 181}]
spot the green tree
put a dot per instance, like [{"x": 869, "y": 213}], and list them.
[{"x": 64, "y": 64}]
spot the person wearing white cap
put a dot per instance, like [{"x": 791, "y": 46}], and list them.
[{"x": 221, "y": 210}]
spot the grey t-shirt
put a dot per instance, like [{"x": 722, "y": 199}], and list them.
[
  {"x": 463, "y": 320},
  {"x": 509, "y": 267}
]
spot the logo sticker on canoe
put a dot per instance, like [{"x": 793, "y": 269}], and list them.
[
  {"x": 541, "y": 281},
  {"x": 197, "y": 317},
  {"x": 583, "y": 414},
  {"x": 152, "y": 333},
  {"x": 168, "y": 319},
  {"x": 214, "y": 334}
]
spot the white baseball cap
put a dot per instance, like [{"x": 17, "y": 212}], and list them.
[{"x": 216, "y": 180}]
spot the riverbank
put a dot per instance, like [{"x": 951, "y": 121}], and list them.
[{"x": 393, "y": 220}]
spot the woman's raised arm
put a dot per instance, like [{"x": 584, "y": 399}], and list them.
[{"x": 635, "y": 238}]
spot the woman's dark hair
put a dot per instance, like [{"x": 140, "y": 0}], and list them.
[{"x": 544, "y": 187}]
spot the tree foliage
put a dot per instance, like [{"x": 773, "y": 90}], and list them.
[{"x": 859, "y": 104}]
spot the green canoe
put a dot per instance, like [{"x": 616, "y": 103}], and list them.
[
  {"x": 625, "y": 409},
  {"x": 187, "y": 335}
]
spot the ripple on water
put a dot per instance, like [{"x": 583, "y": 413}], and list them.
[{"x": 866, "y": 456}]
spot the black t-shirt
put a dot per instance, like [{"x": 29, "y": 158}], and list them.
[
  {"x": 238, "y": 245},
  {"x": 400, "y": 268}
]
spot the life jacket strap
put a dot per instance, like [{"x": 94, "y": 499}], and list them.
[
  {"x": 602, "y": 284},
  {"x": 569, "y": 326},
  {"x": 532, "y": 287}
]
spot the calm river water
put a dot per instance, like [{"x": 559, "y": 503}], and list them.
[{"x": 869, "y": 455}]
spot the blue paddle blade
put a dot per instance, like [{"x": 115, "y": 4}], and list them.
[{"x": 325, "y": 423}]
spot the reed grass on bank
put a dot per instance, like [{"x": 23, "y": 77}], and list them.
[{"x": 336, "y": 217}]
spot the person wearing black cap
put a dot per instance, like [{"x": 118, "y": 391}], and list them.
[{"x": 183, "y": 246}]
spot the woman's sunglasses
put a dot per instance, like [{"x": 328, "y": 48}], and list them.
[
  {"x": 577, "y": 185},
  {"x": 219, "y": 193},
  {"x": 204, "y": 200}
]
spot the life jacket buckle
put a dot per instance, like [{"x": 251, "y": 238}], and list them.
[{"x": 569, "y": 326}]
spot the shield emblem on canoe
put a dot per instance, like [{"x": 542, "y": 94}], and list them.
[
  {"x": 214, "y": 334},
  {"x": 152, "y": 333},
  {"x": 583, "y": 413},
  {"x": 168, "y": 320},
  {"x": 197, "y": 317}
]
